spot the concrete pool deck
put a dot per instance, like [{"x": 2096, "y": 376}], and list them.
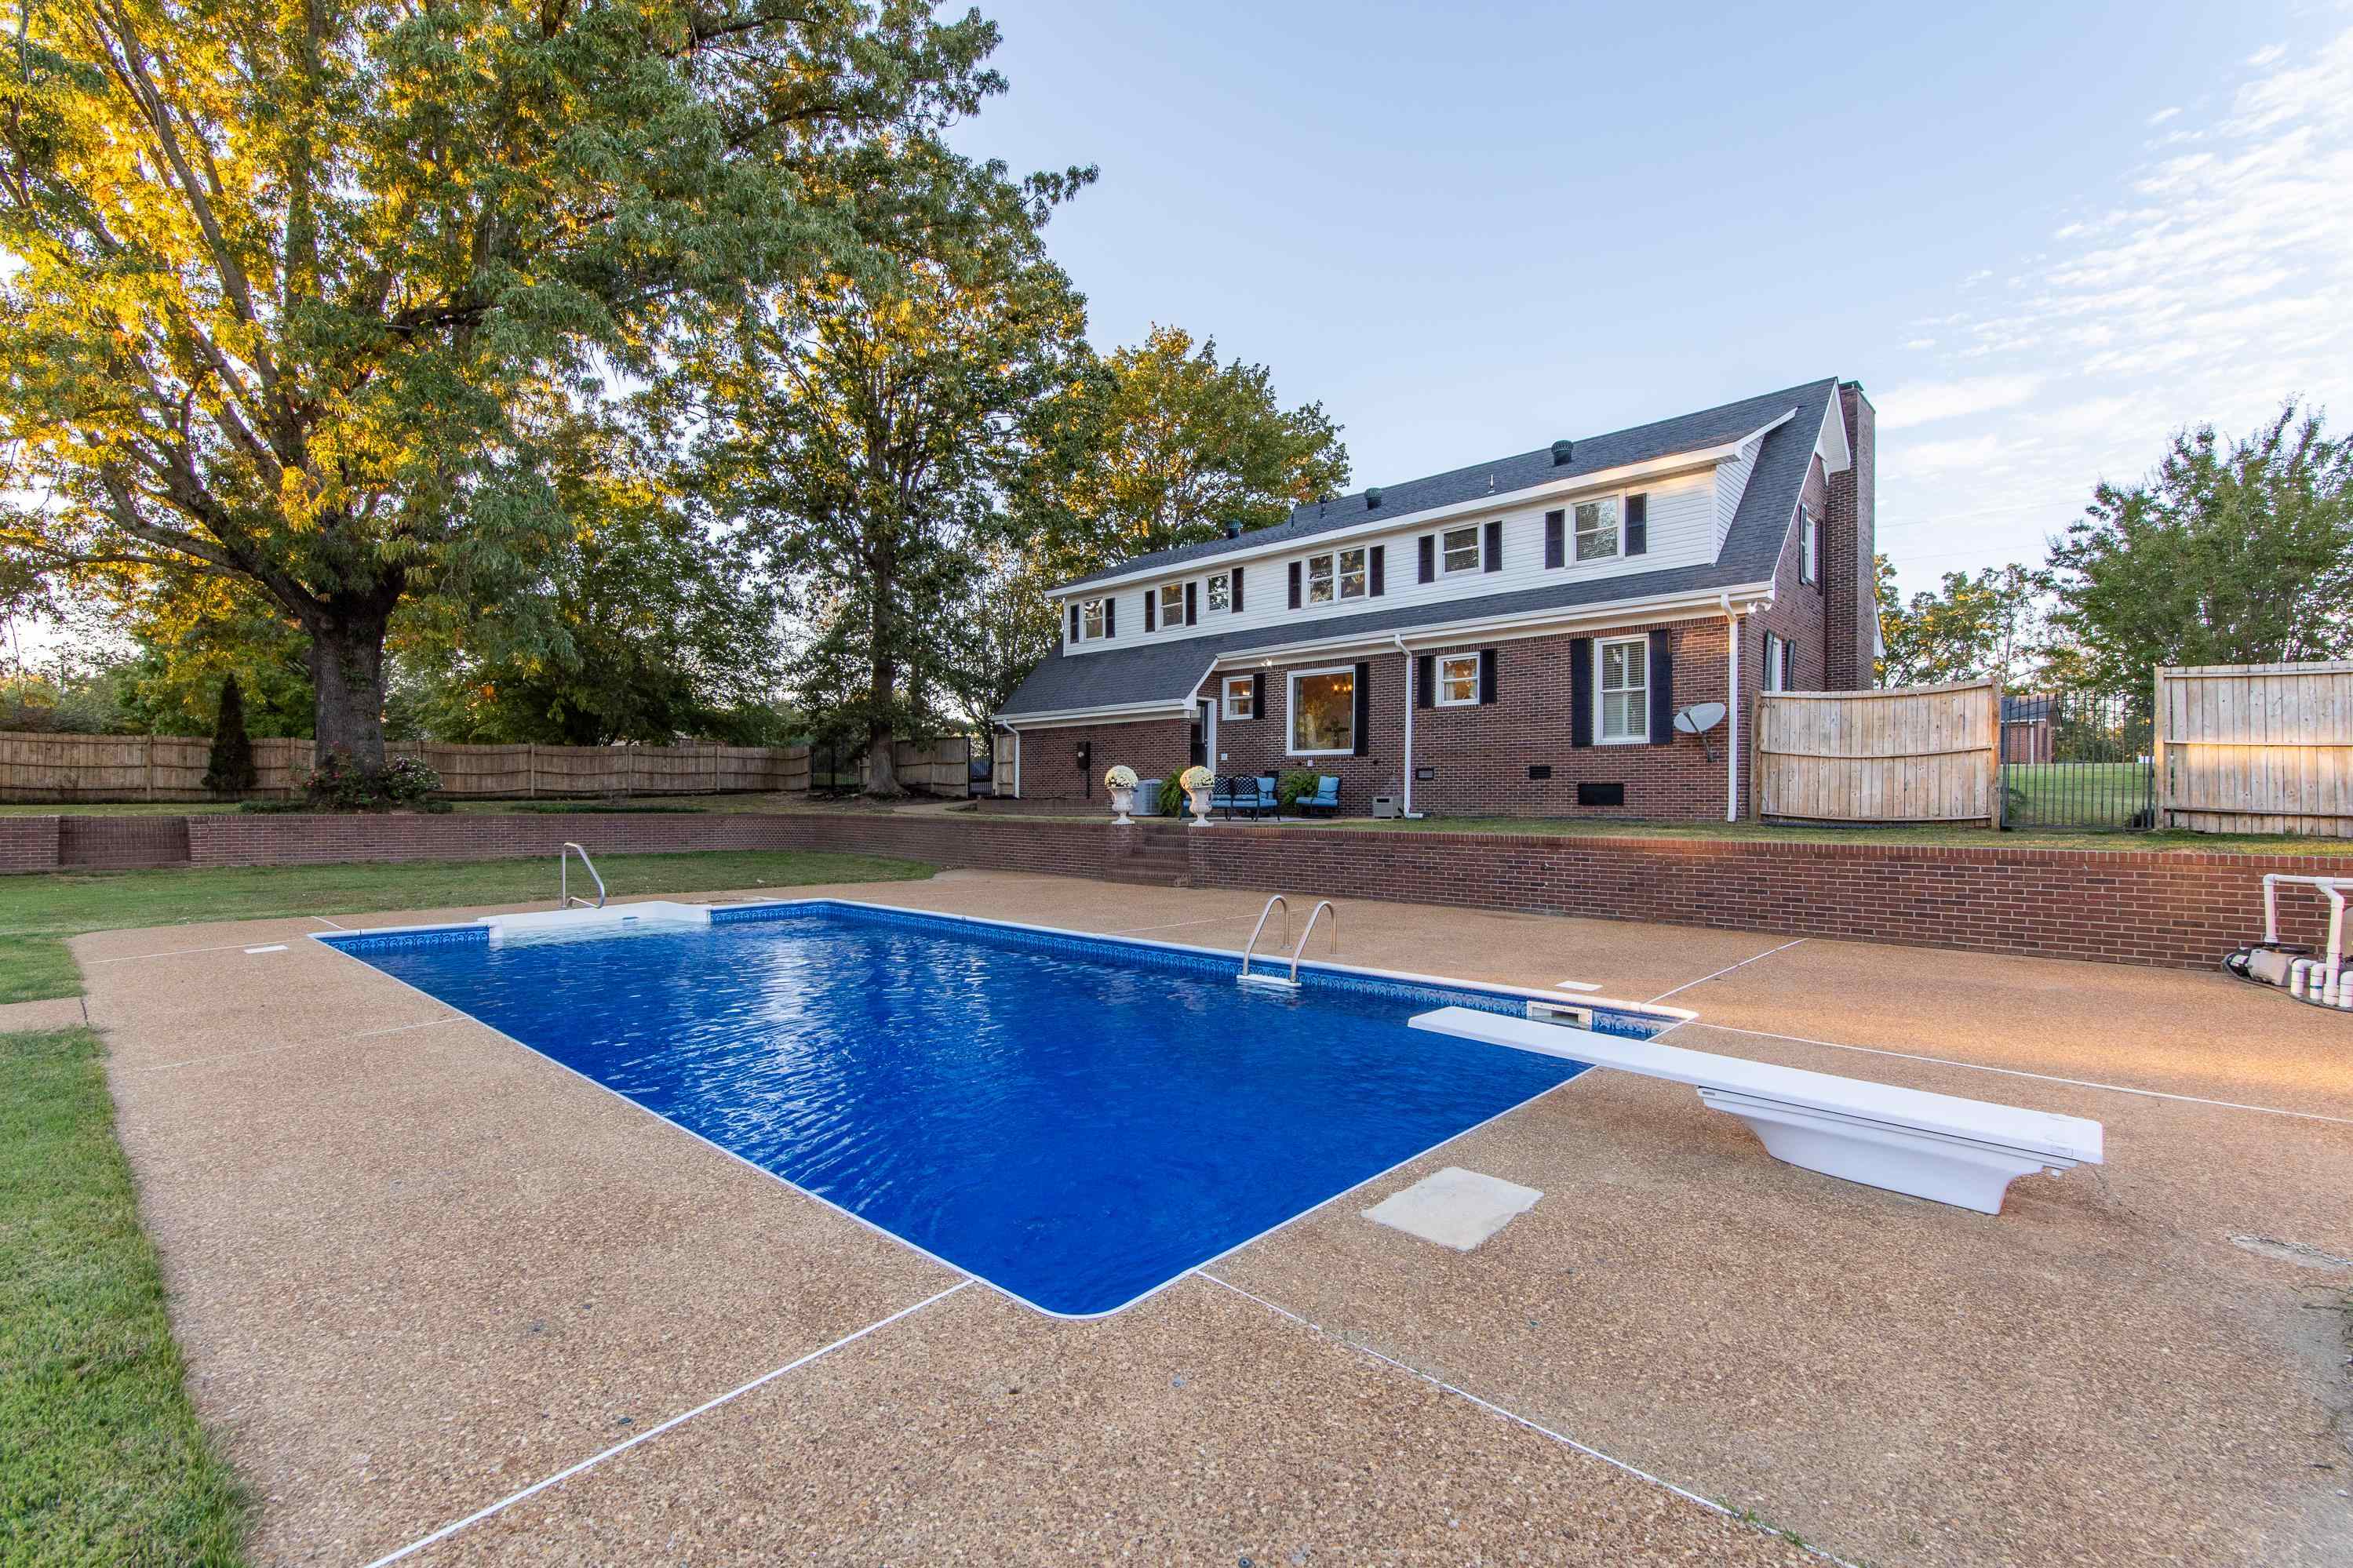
[{"x": 418, "y": 1270}]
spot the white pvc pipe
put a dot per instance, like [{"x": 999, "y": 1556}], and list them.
[
  {"x": 1732, "y": 711},
  {"x": 1398, "y": 637}
]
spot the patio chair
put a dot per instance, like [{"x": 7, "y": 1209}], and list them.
[
  {"x": 1270, "y": 803},
  {"x": 1326, "y": 798},
  {"x": 1231, "y": 792}
]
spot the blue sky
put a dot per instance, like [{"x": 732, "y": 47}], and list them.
[{"x": 2040, "y": 236}]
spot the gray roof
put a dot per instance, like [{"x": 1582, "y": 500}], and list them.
[
  {"x": 1156, "y": 671},
  {"x": 1592, "y": 455}
]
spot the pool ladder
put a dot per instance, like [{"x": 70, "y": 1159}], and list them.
[
  {"x": 1290, "y": 982},
  {"x": 564, "y": 899}
]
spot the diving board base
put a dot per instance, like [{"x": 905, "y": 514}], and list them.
[{"x": 1924, "y": 1165}]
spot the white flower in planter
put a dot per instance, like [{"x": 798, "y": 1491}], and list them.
[{"x": 1121, "y": 776}]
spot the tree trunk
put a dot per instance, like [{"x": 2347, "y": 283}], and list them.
[
  {"x": 346, "y": 664},
  {"x": 882, "y": 690}
]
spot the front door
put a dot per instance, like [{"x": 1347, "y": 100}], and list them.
[{"x": 1204, "y": 733}]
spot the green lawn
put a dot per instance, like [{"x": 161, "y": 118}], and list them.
[
  {"x": 101, "y": 1460},
  {"x": 37, "y": 912},
  {"x": 722, "y": 802}
]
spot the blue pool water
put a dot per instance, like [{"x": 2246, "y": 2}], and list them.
[{"x": 1076, "y": 1121}]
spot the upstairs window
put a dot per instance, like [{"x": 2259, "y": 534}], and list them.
[
  {"x": 1460, "y": 546},
  {"x": 1319, "y": 579},
  {"x": 1221, "y": 592},
  {"x": 1809, "y": 547},
  {"x": 1596, "y": 529},
  {"x": 1091, "y": 620},
  {"x": 1336, "y": 576},
  {"x": 1172, "y": 604},
  {"x": 1352, "y": 573},
  {"x": 1624, "y": 691}
]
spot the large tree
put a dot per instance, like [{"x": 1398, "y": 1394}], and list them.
[
  {"x": 1970, "y": 627},
  {"x": 866, "y": 430},
  {"x": 1169, "y": 446},
  {"x": 2229, "y": 554},
  {"x": 300, "y": 291}
]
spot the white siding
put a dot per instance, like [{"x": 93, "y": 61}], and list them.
[
  {"x": 1731, "y": 484},
  {"x": 1682, "y": 530}
]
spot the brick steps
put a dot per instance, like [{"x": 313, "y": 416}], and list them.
[{"x": 1156, "y": 856}]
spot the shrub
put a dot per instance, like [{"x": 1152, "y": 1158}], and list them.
[
  {"x": 1295, "y": 786},
  {"x": 1172, "y": 796},
  {"x": 336, "y": 784},
  {"x": 229, "y": 772}
]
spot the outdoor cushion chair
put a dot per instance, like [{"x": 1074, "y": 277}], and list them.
[
  {"x": 1231, "y": 792},
  {"x": 1325, "y": 799}
]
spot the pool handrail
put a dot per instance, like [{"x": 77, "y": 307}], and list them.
[{"x": 564, "y": 899}]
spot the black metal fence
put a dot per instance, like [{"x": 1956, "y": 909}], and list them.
[
  {"x": 2077, "y": 760},
  {"x": 836, "y": 771}
]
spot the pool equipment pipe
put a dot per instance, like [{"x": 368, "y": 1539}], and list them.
[{"x": 2326, "y": 981}]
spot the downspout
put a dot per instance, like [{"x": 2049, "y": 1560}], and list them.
[
  {"x": 1398, "y": 637},
  {"x": 1732, "y": 711}
]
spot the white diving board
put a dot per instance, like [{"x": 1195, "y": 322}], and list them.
[{"x": 1935, "y": 1146}]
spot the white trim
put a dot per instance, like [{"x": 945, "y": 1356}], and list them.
[
  {"x": 1600, "y": 479},
  {"x": 1290, "y": 710},
  {"x": 1602, "y": 736},
  {"x": 1829, "y": 441},
  {"x": 1225, "y": 684},
  {"x": 1439, "y": 677}
]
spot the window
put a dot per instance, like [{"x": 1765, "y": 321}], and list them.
[
  {"x": 1777, "y": 662},
  {"x": 1241, "y": 697},
  {"x": 1596, "y": 529},
  {"x": 1323, "y": 711},
  {"x": 1221, "y": 592},
  {"x": 1460, "y": 546},
  {"x": 1809, "y": 544},
  {"x": 1172, "y": 604},
  {"x": 1458, "y": 680},
  {"x": 1352, "y": 573},
  {"x": 1091, "y": 619},
  {"x": 1624, "y": 689},
  {"x": 1325, "y": 583}
]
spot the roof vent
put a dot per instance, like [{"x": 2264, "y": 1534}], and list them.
[
  {"x": 1562, "y": 451},
  {"x": 1233, "y": 530},
  {"x": 1372, "y": 499}
]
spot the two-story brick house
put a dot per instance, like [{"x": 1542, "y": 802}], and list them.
[{"x": 1511, "y": 639}]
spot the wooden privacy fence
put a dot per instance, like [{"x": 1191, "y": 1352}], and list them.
[
  {"x": 2255, "y": 748},
  {"x": 40, "y": 767},
  {"x": 1922, "y": 753}
]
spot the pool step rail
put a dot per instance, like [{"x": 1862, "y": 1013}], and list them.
[
  {"x": 1287, "y": 981},
  {"x": 565, "y": 897}
]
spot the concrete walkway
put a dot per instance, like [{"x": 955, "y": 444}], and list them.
[{"x": 418, "y": 1272}]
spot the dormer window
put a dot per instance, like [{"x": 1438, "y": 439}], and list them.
[
  {"x": 1341, "y": 575},
  {"x": 1091, "y": 620},
  {"x": 1460, "y": 548},
  {"x": 1221, "y": 590},
  {"x": 1597, "y": 530},
  {"x": 1171, "y": 605}
]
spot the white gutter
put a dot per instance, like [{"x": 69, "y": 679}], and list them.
[
  {"x": 1408, "y": 722},
  {"x": 1599, "y": 479},
  {"x": 1732, "y": 713}
]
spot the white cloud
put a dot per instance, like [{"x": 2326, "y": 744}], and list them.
[
  {"x": 1925, "y": 404},
  {"x": 1921, "y": 343},
  {"x": 2204, "y": 286}
]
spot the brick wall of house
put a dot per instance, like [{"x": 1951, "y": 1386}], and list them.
[
  {"x": 1850, "y": 544},
  {"x": 1260, "y": 745},
  {"x": 1154, "y": 748}
]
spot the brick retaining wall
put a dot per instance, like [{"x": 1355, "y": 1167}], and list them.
[{"x": 2180, "y": 911}]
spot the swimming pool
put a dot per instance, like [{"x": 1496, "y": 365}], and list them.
[{"x": 1076, "y": 1121}]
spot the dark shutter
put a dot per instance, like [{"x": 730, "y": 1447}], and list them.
[
  {"x": 1294, "y": 584},
  {"x": 1638, "y": 524},
  {"x": 1662, "y": 689},
  {"x": 1495, "y": 546},
  {"x": 1556, "y": 544},
  {"x": 1486, "y": 675},
  {"x": 1111, "y": 616},
  {"x": 1258, "y": 694},
  {"x": 1364, "y": 708},
  {"x": 1192, "y": 602},
  {"x": 1580, "y": 691},
  {"x": 1074, "y": 623},
  {"x": 1424, "y": 678},
  {"x": 1238, "y": 591},
  {"x": 1428, "y": 557},
  {"x": 1379, "y": 564},
  {"x": 1151, "y": 608}
]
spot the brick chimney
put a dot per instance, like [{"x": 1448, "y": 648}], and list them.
[{"x": 1850, "y": 544}]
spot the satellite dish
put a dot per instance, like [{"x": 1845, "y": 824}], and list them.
[{"x": 1700, "y": 718}]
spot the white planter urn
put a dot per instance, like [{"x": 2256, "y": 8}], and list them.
[
  {"x": 1123, "y": 801},
  {"x": 1199, "y": 799}
]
